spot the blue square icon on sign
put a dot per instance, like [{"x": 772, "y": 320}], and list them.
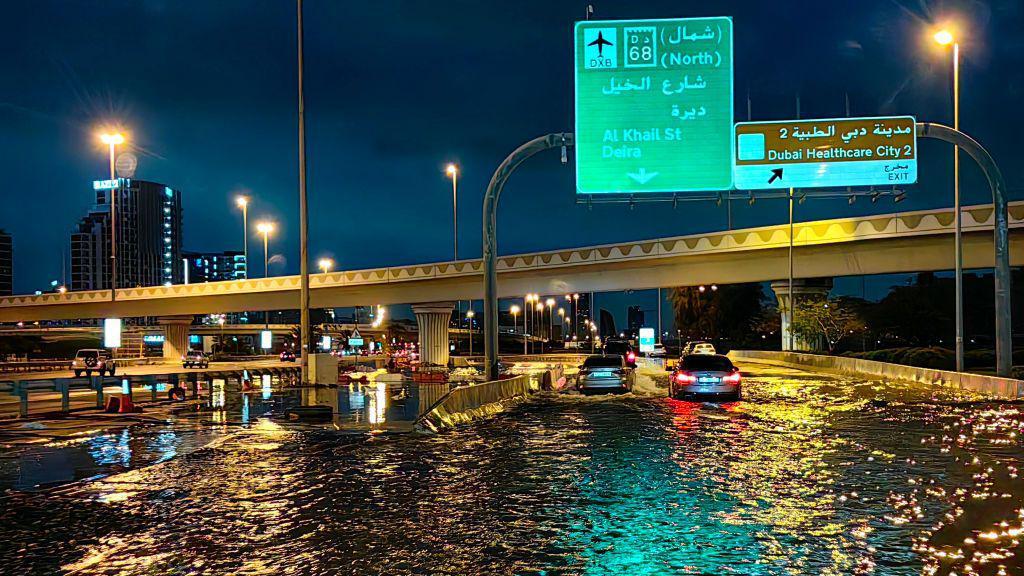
[{"x": 751, "y": 147}]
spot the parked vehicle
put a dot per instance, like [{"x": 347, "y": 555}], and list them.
[
  {"x": 705, "y": 374},
  {"x": 195, "y": 359},
  {"x": 91, "y": 360},
  {"x": 601, "y": 374}
]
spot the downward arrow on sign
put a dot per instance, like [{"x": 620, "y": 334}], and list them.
[{"x": 642, "y": 176}]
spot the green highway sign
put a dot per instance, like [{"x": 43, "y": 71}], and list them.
[{"x": 654, "y": 105}]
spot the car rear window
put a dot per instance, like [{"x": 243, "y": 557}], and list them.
[
  {"x": 87, "y": 354},
  {"x": 707, "y": 362},
  {"x": 603, "y": 362}
]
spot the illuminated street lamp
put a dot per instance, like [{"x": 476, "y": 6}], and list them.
[
  {"x": 453, "y": 172},
  {"x": 265, "y": 228},
  {"x": 561, "y": 318},
  {"x": 325, "y": 265},
  {"x": 514, "y": 310},
  {"x": 243, "y": 203},
  {"x": 113, "y": 141},
  {"x": 945, "y": 37},
  {"x": 469, "y": 318},
  {"x": 550, "y": 303}
]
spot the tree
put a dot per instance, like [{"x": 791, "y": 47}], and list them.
[
  {"x": 831, "y": 320},
  {"x": 718, "y": 313}
]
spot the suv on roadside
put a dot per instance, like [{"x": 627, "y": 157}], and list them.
[
  {"x": 91, "y": 360},
  {"x": 195, "y": 359}
]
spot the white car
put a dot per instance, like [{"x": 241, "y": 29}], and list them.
[
  {"x": 93, "y": 360},
  {"x": 703, "y": 348}
]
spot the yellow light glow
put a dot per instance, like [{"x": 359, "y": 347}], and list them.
[
  {"x": 540, "y": 306},
  {"x": 550, "y": 302},
  {"x": 265, "y": 227},
  {"x": 514, "y": 309},
  {"x": 325, "y": 264},
  {"x": 944, "y": 37},
  {"x": 114, "y": 139},
  {"x": 470, "y": 313},
  {"x": 452, "y": 170},
  {"x": 242, "y": 201}
]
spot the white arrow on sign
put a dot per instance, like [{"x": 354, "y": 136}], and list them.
[{"x": 642, "y": 176}]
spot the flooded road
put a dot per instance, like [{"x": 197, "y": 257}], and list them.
[{"x": 806, "y": 475}]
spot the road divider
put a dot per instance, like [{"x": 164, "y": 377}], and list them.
[
  {"x": 467, "y": 403},
  {"x": 994, "y": 386}
]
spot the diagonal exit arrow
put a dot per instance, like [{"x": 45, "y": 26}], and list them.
[
  {"x": 776, "y": 173},
  {"x": 642, "y": 176}
]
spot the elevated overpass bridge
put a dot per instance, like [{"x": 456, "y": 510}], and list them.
[{"x": 877, "y": 244}]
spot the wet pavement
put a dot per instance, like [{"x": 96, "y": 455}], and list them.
[{"x": 807, "y": 475}]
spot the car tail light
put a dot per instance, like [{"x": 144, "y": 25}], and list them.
[
  {"x": 733, "y": 378},
  {"x": 684, "y": 378},
  {"x": 631, "y": 357}
]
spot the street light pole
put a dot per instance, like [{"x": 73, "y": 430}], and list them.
[
  {"x": 112, "y": 140},
  {"x": 956, "y": 215},
  {"x": 303, "y": 213},
  {"x": 243, "y": 203},
  {"x": 265, "y": 228}
]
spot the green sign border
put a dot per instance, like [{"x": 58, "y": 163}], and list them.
[{"x": 732, "y": 107}]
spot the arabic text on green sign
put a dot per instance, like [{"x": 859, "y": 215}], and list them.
[{"x": 654, "y": 105}]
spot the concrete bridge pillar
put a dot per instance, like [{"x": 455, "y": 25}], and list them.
[
  {"x": 809, "y": 287},
  {"x": 175, "y": 336},
  {"x": 433, "y": 319}
]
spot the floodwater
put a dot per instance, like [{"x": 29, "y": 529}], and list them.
[{"x": 806, "y": 475}]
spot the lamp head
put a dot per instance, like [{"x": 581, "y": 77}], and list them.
[{"x": 944, "y": 37}]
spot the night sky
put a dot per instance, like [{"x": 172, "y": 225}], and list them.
[{"x": 395, "y": 90}]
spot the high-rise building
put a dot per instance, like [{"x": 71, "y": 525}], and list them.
[
  {"x": 6, "y": 265},
  {"x": 214, "y": 266},
  {"x": 149, "y": 222},
  {"x": 635, "y": 319}
]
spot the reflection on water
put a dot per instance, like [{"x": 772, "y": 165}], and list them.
[{"x": 806, "y": 476}]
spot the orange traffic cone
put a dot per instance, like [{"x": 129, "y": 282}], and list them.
[
  {"x": 127, "y": 406},
  {"x": 113, "y": 405}
]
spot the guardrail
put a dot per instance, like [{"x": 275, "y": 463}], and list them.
[
  {"x": 990, "y": 385},
  {"x": 23, "y": 390},
  {"x": 466, "y": 403}
]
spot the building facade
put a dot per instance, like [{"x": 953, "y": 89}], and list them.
[
  {"x": 6, "y": 264},
  {"x": 214, "y": 267},
  {"x": 148, "y": 233}
]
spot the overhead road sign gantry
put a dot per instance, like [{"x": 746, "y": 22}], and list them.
[
  {"x": 840, "y": 152},
  {"x": 654, "y": 105}
]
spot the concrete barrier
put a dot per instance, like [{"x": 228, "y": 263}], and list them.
[
  {"x": 467, "y": 403},
  {"x": 989, "y": 385}
]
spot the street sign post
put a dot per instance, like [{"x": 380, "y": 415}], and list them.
[
  {"x": 646, "y": 340},
  {"x": 654, "y": 105},
  {"x": 826, "y": 153}
]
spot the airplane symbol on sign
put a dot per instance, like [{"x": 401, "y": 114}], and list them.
[{"x": 600, "y": 43}]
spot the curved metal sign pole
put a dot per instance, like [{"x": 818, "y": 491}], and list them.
[
  {"x": 490, "y": 258},
  {"x": 1000, "y": 231}
]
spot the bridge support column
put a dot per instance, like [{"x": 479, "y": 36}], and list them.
[
  {"x": 812, "y": 287},
  {"x": 433, "y": 320},
  {"x": 175, "y": 336}
]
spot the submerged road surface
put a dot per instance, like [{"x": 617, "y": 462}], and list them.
[{"x": 806, "y": 475}]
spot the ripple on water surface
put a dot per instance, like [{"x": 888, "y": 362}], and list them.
[{"x": 806, "y": 476}]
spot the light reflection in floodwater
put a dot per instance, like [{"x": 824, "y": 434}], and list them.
[{"x": 807, "y": 475}]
